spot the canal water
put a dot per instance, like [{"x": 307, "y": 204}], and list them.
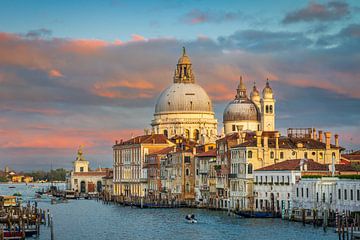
[{"x": 92, "y": 220}]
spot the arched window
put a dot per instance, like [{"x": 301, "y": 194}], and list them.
[
  {"x": 82, "y": 187},
  {"x": 271, "y": 109},
  {"x": 166, "y": 133},
  {"x": 196, "y": 134},
  {"x": 187, "y": 133},
  {"x": 99, "y": 186},
  {"x": 250, "y": 168},
  {"x": 249, "y": 154},
  {"x": 191, "y": 105},
  {"x": 187, "y": 172},
  {"x": 305, "y": 155},
  {"x": 267, "y": 109},
  {"x": 271, "y": 154},
  {"x": 187, "y": 187}
]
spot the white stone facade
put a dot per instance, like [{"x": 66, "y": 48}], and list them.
[{"x": 326, "y": 192}]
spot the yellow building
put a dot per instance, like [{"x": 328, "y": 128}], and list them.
[
  {"x": 130, "y": 175},
  {"x": 17, "y": 178},
  {"x": 27, "y": 179}
]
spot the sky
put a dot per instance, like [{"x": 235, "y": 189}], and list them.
[{"x": 89, "y": 72}]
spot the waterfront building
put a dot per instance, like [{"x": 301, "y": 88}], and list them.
[
  {"x": 107, "y": 180},
  {"x": 203, "y": 162},
  {"x": 82, "y": 179},
  {"x": 332, "y": 193},
  {"x": 130, "y": 176},
  {"x": 241, "y": 182},
  {"x": 268, "y": 148},
  {"x": 223, "y": 164},
  {"x": 254, "y": 114},
  {"x": 184, "y": 108},
  {"x": 274, "y": 184},
  {"x": 153, "y": 163},
  {"x": 179, "y": 178}
]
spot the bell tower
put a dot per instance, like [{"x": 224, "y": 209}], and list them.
[
  {"x": 80, "y": 164},
  {"x": 267, "y": 109}
]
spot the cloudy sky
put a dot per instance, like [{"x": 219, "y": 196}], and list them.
[{"x": 90, "y": 72}]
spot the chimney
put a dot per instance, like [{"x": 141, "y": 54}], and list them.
[
  {"x": 327, "y": 139},
  {"x": 243, "y": 136},
  {"x": 258, "y": 139},
  {"x": 116, "y": 142},
  {"x": 314, "y": 133},
  {"x": 320, "y": 136},
  {"x": 121, "y": 141},
  {"x": 336, "y": 140},
  {"x": 266, "y": 140},
  {"x": 277, "y": 136}
]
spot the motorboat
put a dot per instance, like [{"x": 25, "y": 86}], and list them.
[{"x": 190, "y": 218}]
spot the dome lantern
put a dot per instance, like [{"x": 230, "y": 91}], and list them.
[
  {"x": 183, "y": 72},
  {"x": 241, "y": 90},
  {"x": 267, "y": 92}
]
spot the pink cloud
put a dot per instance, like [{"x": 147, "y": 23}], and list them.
[
  {"x": 137, "y": 38},
  {"x": 53, "y": 73}
]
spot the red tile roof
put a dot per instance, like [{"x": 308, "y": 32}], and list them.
[
  {"x": 146, "y": 139},
  {"x": 163, "y": 151},
  {"x": 100, "y": 174},
  {"x": 210, "y": 153},
  {"x": 351, "y": 156},
  {"x": 293, "y": 165},
  {"x": 288, "y": 143}
]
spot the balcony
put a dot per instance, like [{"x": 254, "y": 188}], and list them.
[
  {"x": 232, "y": 175},
  {"x": 219, "y": 185}
]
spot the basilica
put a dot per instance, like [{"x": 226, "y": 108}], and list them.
[
  {"x": 185, "y": 157},
  {"x": 185, "y": 109}
]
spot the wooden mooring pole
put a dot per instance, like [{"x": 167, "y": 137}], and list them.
[{"x": 52, "y": 227}]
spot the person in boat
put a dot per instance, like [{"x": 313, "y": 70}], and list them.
[{"x": 190, "y": 217}]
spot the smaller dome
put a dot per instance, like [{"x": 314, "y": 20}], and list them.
[
  {"x": 241, "y": 110},
  {"x": 267, "y": 92}
]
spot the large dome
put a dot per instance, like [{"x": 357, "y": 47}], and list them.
[
  {"x": 183, "y": 97},
  {"x": 241, "y": 110}
]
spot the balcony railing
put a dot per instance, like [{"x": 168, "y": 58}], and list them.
[{"x": 232, "y": 175}]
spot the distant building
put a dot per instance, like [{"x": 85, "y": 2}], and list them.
[
  {"x": 84, "y": 180},
  {"x": 27, "y": 179},
  {"x": 17, "y": 178},
  {"x": 130, "y": 174}
]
